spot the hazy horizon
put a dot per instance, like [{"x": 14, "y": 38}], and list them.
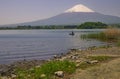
[{"x": 18, "y": 11}]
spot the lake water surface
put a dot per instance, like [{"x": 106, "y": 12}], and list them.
[{"x": 40, "y": 44}]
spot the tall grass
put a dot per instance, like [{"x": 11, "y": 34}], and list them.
[
  {"x": 118, "y": 43},
  {"x": 100, "y": 36},
  {"x": 111, "y": 34}
]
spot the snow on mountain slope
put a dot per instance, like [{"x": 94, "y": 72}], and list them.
[{"x": 79, "y": 8}]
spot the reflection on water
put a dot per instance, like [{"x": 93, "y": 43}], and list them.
[{"x": 40, "y": 44}]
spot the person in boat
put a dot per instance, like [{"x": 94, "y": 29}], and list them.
[{"x": 72, "y": 33}]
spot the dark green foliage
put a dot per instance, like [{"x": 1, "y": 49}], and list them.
[{"x": 91, "y": 25}]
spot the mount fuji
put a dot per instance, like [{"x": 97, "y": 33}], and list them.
[
  {"x": 79, "y": 8},
  {"x": 76, "y": 15}
]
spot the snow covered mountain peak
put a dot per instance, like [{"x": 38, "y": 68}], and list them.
[{"x": 79, "y": 8}]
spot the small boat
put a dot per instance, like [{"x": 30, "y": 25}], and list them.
[{"x": 72, "y": 33}]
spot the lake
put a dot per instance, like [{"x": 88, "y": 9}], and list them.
[{"x": 41, "y": 44}]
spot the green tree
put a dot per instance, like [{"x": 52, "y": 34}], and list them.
[{"x": 92, "y": 25}]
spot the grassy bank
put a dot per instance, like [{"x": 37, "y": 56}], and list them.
[{"x": 47, "y": 70}]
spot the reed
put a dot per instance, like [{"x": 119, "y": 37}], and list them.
[{"x": 110, "y": 34}]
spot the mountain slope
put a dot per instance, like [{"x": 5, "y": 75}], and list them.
[{"x": 76, "y": 18}]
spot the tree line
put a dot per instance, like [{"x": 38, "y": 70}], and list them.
[{"x": 86, "y": 25}]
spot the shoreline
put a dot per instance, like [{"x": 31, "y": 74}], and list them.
[{"x": 74, "y": 55}]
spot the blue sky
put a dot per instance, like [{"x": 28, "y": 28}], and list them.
[{"x": 17, "y": 11}]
